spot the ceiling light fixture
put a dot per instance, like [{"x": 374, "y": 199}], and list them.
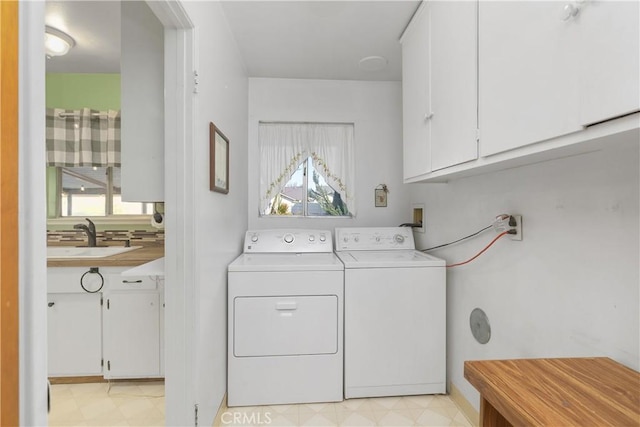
[{"x": 56, "y": 42}]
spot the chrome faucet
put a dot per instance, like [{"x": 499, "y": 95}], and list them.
[{"x": 90, "y": 230}]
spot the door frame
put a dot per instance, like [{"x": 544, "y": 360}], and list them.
[{"x": 180, "y": 320}]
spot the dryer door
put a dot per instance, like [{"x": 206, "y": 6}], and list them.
[{"x": 285, "y": 325}]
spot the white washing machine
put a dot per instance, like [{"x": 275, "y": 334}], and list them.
[
  {"x": 285, "y": 314},
  {"x": 395, "y": 308}
]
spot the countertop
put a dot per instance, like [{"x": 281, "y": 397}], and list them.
[
  {"x": 153, "y": 268},
  {"x": 127, "y": 259}
]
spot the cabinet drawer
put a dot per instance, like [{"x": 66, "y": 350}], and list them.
[{"x": 118, "y": 282}]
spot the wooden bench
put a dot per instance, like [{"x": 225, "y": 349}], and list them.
[{"x": 556, "y": 392}]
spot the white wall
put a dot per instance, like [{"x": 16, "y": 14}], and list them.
[
  {"x": 374, "y": 107},
  {"x": 219, "y": 220},
  {"x": 571, "y": 287}
]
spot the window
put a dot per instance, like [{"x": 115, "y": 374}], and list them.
[
  {"x": 308, "y": 194},
  {"x": 92, "y": 191},
  {"x": 306, "y": 169},
  {"x": 83, "y": 159}
]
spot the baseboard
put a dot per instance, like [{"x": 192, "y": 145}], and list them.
[
  {"x": 467, "y": 408},
  {"x": 98, "y": 379},
  {"x": 77, "y": 380},
  {"x": 217, "y": 421}
]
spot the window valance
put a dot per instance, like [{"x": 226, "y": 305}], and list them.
[{"x": 83, "y": 137}]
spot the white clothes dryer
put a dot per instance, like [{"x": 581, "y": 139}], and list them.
[
  {"x": 285, "y": 319},
  {"x": 395, "y": 308}
]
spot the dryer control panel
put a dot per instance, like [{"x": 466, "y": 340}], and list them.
[
  {"x": 374, "y": 239},
  {"x": 288, "y": 241}
]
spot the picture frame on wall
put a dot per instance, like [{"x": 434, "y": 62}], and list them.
[
  {"x": 380, "y": 198},
  {"x": 218, "y": 160}
]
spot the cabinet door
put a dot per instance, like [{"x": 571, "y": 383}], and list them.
[
  {"x": 416, "y": 108},
  {"x": 74, "y": 332},
  {"x": 610, "y": 51},
  {"x": 142, "y": 104},
  {"x": 528, "y": 68},
  {"x": 454, "y": 82},
  {"x": 132, "y": 334}
]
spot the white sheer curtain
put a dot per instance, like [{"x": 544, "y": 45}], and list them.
[{"x": 283, "y": 146}]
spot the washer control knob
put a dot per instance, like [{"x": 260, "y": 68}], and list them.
[
  {"x": 356, "y": 239},
  {"x": 377, "y": 238},
  {"x": 288, "y": 238},
  {"x": 312, "y": 238},
  {"x": 323, "y": 238},
  {"x": 399, "y": 238},
  {"x": 254, "y": 238},
  {"x": 345, "y": 239}
]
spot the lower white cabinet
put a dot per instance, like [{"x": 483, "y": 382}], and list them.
[
  {"x": 131, "y": 334},
  {"x": 115, "y": 332},
  {"x": 74, "y": 334}
]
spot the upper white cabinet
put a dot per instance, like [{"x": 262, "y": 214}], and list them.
[
  {"x": 528, "y": 68},
  {"x": 416, "y": 105},
  {"x": 142, "y": 103},
  {"x": 548, "y": 69},
  {"x": 439, "y": 87},
  {"x": 454, "y": 82},
  {"x": 610, "y": 59},
  {"x": 496, "y": 84}
]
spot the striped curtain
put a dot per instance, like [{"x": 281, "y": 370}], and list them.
[{"x": 83, "y": 138}]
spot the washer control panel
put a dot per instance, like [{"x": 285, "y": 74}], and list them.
[
  {"x": 374, "y": 238},
  {"x": 287, "y": 241}
]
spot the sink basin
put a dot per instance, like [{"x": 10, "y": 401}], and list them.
[{"x": 58, "y": 252}]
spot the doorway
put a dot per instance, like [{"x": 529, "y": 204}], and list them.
[{"x": 178, "y": 46}]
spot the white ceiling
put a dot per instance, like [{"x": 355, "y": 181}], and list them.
[
  {"x": 95, "y": 26},
  {"x": 321, "y": 39}
]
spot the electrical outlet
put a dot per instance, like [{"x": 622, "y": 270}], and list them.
[{"x": 517, "y": 227}]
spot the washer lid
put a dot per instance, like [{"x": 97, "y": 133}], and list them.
[
  {"x": 388, "y": 259},
  {"x": 286, "y": 262}
]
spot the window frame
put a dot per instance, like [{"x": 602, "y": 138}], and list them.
[{"x": 109, "y": 216}]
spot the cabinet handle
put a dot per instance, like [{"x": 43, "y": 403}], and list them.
[
  {"x": 132, "y": 281},
  {"x": 51, "y": 304},
  {"x": 428, "y": 116}
]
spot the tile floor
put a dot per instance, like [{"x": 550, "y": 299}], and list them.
[
  {"x": 94, "y": 404},
  {"x": 142, "y": 404},
  {"x": 382, "y": 411}
]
